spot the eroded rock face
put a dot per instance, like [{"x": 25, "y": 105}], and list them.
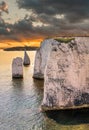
[
  {"x": 66, "y": 76},
  {"x": 26, "y": 61},
  {"x": 41, "y": 58},
  {"x": 17, "y": 68}
]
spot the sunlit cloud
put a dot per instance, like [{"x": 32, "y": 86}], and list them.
[
  {"x": 8, "y": 29},
  {"x": 59, "y": 16}
]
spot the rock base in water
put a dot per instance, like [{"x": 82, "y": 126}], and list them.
[{"x": 17, "y": 68}]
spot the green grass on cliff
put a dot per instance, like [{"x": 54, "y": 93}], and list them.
[{"x": 65, "y": 40}]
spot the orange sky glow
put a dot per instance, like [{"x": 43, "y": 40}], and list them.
[{"x": 8, "y": 43}]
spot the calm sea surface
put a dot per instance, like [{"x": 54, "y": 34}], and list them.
[{"x": 20, "y": 102}]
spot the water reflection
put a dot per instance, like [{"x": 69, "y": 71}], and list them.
[
  {"x": 38, "y": 90},
  {"x": 39, "y": 84},
  {"x": 17, "y": 95},
  {"x": 17, "y": 84},
  {"x": 27, "y": 104}
]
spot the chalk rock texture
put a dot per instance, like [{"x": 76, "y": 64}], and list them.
[
  {"x": 41, "y": 58},
  {"x": 17, "y": 68},
  {"x": 26, "y": 60},
  {"x": 66, "y": 77}
]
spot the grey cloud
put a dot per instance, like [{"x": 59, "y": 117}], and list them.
[
  {"x": 74, "y": 10},
  {"x": 24, "y": 29},
  {"x": 44, "y": 11},
  {"x": 75, "y": 13},
  {"x": 3, "y": 26}
]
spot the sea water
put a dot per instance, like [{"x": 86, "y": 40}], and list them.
[{"x": 20, "y": 101}]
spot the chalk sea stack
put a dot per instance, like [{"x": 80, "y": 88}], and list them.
[
  {"x": 26, "y": 60},
  {"x": 41, "y": 58},
  {"x": 65, "y": 69},
  {"x": 17, "y": 68}
]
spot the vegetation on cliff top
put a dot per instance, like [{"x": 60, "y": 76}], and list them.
[{"x": 65, "y": 40}]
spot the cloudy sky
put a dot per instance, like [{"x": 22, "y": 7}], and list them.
[{"x": 27, "y": 22}]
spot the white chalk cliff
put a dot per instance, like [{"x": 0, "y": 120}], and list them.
[
  {"x": 26, "y": 60},
  {"x": 42, "y": 57},
  {"x": 66, "y": 75},
  {"x": 17, "y": 68}
]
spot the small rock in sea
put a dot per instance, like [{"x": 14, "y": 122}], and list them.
[
  {"x": 26, "y": 59},
  {"x": 17, "y": 68}
]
